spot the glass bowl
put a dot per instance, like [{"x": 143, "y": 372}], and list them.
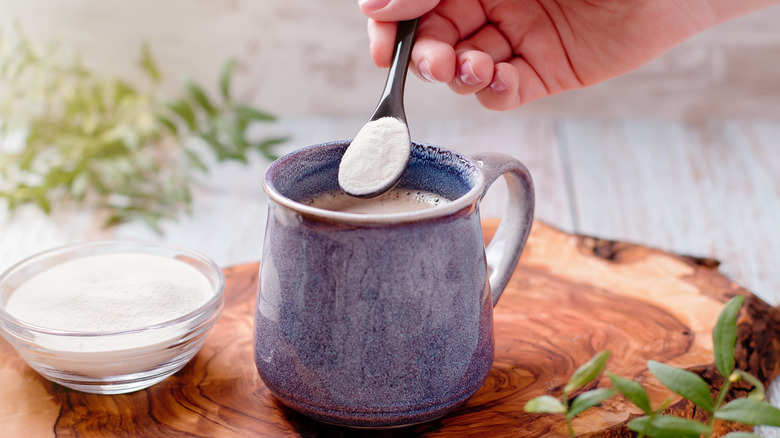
[{"x": 111, "y": 362}]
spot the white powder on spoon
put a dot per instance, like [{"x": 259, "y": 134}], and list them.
[
  {"x": 376, "y": 158},
  {"x": 110, "y": 292}
]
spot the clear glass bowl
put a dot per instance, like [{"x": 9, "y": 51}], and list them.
[{"x": 111, "y": 362}]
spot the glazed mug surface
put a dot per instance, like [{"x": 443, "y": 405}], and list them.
[{"x": 384, "y": 320}]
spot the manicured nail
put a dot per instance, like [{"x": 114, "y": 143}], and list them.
[
  {"x": 498, "y": 85},
  {"x": 467, "y": 75},
  {"x": 373, "y": 5},
  {"x": 425, "y": 70}
]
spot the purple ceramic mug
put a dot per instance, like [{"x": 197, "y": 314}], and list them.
[{"x": 383, "y": 320}]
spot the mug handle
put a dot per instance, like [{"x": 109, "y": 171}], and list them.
[{"x": 507, "y": 244}]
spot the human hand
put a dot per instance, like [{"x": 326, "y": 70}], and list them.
[{"x": 510, "y": 52}]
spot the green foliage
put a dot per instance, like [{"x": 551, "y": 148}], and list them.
[
  {"x": 665, "y": 426},
  {"x": 684, "y": 383},
  {"x": 588, "y": 400},
  {"x": 547, "y": 404},
  {"x": 633, "y": 391},
  {"x": 758, "y": 392},
  {"x": 105, "y": 144},
  {"x": 749, "y": 411},
  {"x": 587, "y": 372},
  {"x": 724, "y": 336},
  {"x": 752, "y": 410}
]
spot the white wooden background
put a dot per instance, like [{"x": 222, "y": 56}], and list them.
[
  {"x": 311, "y": 58},
  {"x": 683, "y": 154}
]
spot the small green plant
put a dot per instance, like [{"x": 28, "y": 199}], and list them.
[
  {"x": 105, "y": 144},
  {"x": 581, "y": 377},
  {"x": 751, "y": 410}
]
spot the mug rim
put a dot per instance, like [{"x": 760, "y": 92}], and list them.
[{"x": 466, "y": 200}]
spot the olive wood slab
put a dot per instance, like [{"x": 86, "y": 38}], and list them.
[{"x": 570, "y": 297}]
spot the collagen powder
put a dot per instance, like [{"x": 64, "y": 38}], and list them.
[
  {"x": 110, "y": 292},
  {"x": 119, "y": 292},
  {"x": 376, "y": 157}
]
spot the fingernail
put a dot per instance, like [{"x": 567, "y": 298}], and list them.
[
  {"x": 373, "y": 5},
  {"x": 467, "y": 75},
  {"x": 498, "y": 85},
  {"x": 425, "y": 70}
]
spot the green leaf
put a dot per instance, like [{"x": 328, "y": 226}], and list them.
[
  {"x": 589, "y": 399},
  {"x": 79, "y": 187},
  {"x": 758, "y": 392},
  {"x": 587, "y": 372},
  {"x": 121, "y": 91},
  {"x": 249, "y": 113},
  {"x": 633, "y": 391},
  {"x": 225, "y": 78},
  {"x": 684, "y": 383},
  {"x": 222, "y": 150},
  {"x": 265, "y": 146},
  {"x": 724, "y": 336},
  {"x": 103, "y": 144},
  {"x": 749, "y": 411},
  {"x": 195, "y": 160},
  {"x": 200, "y": 97},
  {"x": 148, "y": 64},
  {"x": 168, "y": 123},
  {"x": 544, "y": 404},
  {"x": 666, "y": 426},
  {"x": 185, "y": 111},
  {"x": 741, "y": 435},
  {"x": 236, "y": 136}
]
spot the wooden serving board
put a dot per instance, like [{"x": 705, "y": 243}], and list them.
[{"x": 570, "y": 297}]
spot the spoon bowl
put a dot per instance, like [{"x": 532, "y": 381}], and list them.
[{"x": 377, "y": 157}]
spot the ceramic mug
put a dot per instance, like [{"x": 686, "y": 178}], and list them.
[{"x": 384, "y": 320}]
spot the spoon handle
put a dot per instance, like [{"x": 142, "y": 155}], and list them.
[{"x": 391, "y": 104}]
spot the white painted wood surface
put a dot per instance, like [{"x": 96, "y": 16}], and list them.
[{"x": 311, "y": 58}]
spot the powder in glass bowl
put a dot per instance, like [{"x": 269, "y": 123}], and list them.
[{"x": 110, "y": 292}]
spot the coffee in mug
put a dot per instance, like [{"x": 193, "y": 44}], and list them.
[{"x": 393, "y": 201}]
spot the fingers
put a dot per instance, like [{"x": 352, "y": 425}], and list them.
[
  {"x": 474, "y": 72},
  {"x": 381, "y": 38},
  {"x": 383, "y": 15},
  {"x": 498, "y": 86},
  {"x": 514, "y": 84},
  {"x": 396, "y": 10},
  {"x": 489, "y": 40},
  {"x": 501, "y": 94},
  {"x": 433, "y": 60},
  {"x": 476, "y": 58},
  {"x": 457, "y": 46}
]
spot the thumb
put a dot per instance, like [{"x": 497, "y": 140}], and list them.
[{"x": 396, "y": 10}]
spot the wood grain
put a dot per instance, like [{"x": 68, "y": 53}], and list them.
[
  {"x": 705, "y": 189},
  {"x": 571, "y": 296}
]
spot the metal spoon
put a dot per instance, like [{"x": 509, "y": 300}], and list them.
[{"x": 377, "y": 157}]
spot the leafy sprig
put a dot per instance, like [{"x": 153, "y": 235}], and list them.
[
  {"x": 751, "y": 410},
  {"x": 107, "y": 145},
  {"x": 581, "y": 377}
]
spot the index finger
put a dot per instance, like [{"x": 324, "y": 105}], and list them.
[
  {"x": 452, "y": 21},
  {"x": 396, "y": 10}
]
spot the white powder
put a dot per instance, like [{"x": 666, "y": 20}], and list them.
[
  {"x": 110, "y": 292},
  {"x": 376, "y": 157}
]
